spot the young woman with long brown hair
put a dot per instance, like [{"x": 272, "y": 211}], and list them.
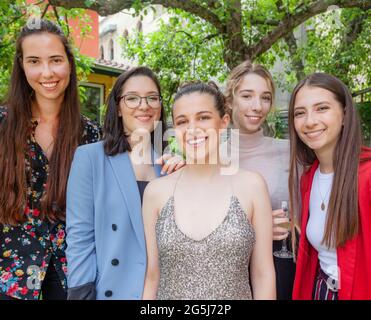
[
  {"x": 334, "y": 254},
  {"x": 40, "y": 128}
]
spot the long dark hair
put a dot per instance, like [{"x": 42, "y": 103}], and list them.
[
  {"x": 342, "y": 220},
  {"x": 15, "y": 130},
  {"x": 115, "y": 139}
]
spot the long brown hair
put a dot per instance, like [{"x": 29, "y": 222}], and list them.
[
  {"x": 342, "y": 220},
  {"x": 15, "y": 130}
]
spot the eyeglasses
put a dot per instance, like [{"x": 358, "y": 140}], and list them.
[{"x": 133, "y": 101}]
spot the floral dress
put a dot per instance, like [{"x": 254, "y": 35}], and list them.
[{"x": 27, "y": 249}]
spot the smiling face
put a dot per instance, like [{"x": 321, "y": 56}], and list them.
[
  {"x": 46, "y": 66},
  {"x": 251, "y": 103},
  {"x": 197, "y": 123},
  {"x": 318, "y": 119},
  {"x": 144, "y": 116}
]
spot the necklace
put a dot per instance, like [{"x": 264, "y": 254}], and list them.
[{"x": 323, "y": 207}]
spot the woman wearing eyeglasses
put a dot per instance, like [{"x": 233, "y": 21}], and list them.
[{"x": 106, "y": 248}]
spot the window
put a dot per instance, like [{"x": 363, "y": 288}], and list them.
[
  {"x": 111, "y": 50},
  {"x": 101, "y": 52},
  {"x": 94, "y": 98}
]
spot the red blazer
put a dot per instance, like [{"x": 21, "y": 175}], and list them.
[{"x": 354, "y": 258}]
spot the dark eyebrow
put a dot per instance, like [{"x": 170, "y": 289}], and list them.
[
  {"x": 51, "y": 57},
  {"x": 32, "y": 57},
  {"x": 201, "y": 112},
  {"x": 181, "y": 116},
  {"x": 315, "y": 105},
  {"x": 137, "y": 93},
  {"x": 321, "y": 102},
  {"x": 298, "y": 107},
  {"x": 198, "y": 113}
]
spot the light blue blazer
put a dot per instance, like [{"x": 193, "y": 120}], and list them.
[{"x": 105, "y": 235}]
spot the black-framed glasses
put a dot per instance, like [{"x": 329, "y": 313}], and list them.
[{"x": 133, "y": 101}]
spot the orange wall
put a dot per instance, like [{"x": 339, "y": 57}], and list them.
[{"x": 89, "y": 44}]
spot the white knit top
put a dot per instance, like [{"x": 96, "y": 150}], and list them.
[{"x": 268, "y": 156}]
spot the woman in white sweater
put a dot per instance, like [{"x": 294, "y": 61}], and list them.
[{"x": 250, "y": 93}]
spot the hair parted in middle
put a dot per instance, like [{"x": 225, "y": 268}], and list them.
[
  {"x": 342, "y": 220},
  {"x": 15, "y": 131},
  {"x": 242, "y": 70}
]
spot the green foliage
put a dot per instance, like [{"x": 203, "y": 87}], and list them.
[
  {"x": 14, "y": 15},
  {"x": 275, "y": 125},
  {"x": 186, "y": 47},
  {"x": 364, "y": 110},
  {"x": 183, "y": 49},
  {"x": 326, "y": 48},
  {"x": 11, "y": 20}
]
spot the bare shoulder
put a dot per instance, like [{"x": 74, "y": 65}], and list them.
[
  {"x": 160, "y": 189},
  {"x": 249, "y": 185},
  {"x": 248, "y": 179}
]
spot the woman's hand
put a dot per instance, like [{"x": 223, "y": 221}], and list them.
[
  {"x": 170, "y": 163},
  {"x": 279, "y": 232}
]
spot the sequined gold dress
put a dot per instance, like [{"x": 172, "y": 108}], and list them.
[{"x": 215, "y": 267}]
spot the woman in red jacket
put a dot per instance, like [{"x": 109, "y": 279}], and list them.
[{"x": 334, "y": 254}]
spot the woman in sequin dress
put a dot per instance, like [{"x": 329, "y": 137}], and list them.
[{"x": 205, "y": 230}]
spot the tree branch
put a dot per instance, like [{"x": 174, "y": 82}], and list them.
[
  {"x": 45, "y": 10},
  {"x": 230, "y": 30},
  {"x": 354, "y": 29},
  {"x": 297, "y": 63},
  {"x": 260, "y": 20},
  {"x": 357, "y": 93},
  {"x": 351, "y": 34},
  {"x": 107, "y": 7},
  {"x": 290, "y": 22},
  {"x": 233, "y": 37}
]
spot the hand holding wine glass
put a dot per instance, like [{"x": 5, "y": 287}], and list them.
[
  {"x": 280, "y": 222},
  {"x": 284, "y": 252}
]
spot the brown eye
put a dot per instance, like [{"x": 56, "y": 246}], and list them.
[
  {"x": 246, "y": 97},
  {"x": 153, "y": 98},
  {"x": 180, "y": 122},
  {"x": 323, "y": 108},
  {"x": 32, "y": 61},
  {"x": 298, "y": 114},
  {"x": 204, "y": 118}
]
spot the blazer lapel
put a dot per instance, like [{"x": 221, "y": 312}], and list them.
[{"x": 126, "y": 180}]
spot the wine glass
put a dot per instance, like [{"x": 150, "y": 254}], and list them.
[{"x": 284, "y": 252}]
